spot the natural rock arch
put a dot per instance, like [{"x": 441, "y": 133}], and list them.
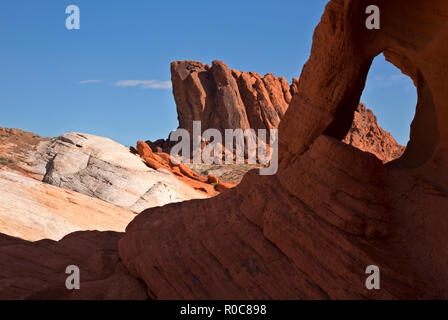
[
  {"x": 311, "y": 230},
  {"x": 347, "y": 48}
]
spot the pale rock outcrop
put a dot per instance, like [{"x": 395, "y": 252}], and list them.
[
  {"x": 33, "y": 210},
  {"x": 104, "y": 169}
]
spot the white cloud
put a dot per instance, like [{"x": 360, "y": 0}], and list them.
[
  {"x": 90, "y": 81},
  {"x": 390, "y": 80},
  {"x": 146, "y": 84}
]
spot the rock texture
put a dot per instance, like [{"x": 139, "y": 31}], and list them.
[
  {"x": 33, "y": 210},
  {"x": 209, "y": 185},
  {"x": 225, "y": 99},
  {"x": 229, "y": 99},
  {"x": 37, "y": 270},
  {"x": 311, "y": 230},
  {"x": 366, "y": 135},
  {"x": 104, "y": 169},
  {"x": 17, "y": 148}
]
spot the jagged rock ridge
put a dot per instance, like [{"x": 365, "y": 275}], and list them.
[{"x": 222, "y": 98}]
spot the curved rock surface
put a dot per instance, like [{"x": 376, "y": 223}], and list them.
[
  {"x": 33, "y": 210},
  {"x": 37, "y": 270},
  {"x": 104, "y": 169},
  {"x": 311, "y": 230}
]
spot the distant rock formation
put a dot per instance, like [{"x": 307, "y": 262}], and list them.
[
  {"x": 366, "y": 135},
  {"x": 209, "y": 185},
  {"x": 222, "y": 98},
  {"x": 225, "y": 99}
]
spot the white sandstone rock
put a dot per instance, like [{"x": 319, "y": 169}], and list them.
[{"x": 104, "y": 169}]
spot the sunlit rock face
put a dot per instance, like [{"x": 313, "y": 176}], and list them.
[
  {"x": 366, "y": 135},
  {"x": 222, "y": 98}
]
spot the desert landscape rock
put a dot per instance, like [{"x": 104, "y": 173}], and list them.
[
  {"x": 310, "y": 231},
  {"x": 37, "y": 270},
  {"x": 366, "y": 135},
  {"x": 209, "y": 185},
  {"x": 95, "y": 166},
  {"x": 32, "y": 210},
  {"x": 20, "y": 151},
  {"x": 104, "y": 169},
  {"x": 222, "y": 98}
]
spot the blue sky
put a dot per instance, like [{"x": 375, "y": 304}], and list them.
[{"x": 44, "y": 67}]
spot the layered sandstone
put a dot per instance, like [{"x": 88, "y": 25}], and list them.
[
  {"x": 94, "y": 166},
  {"x": 222, "y": 98},
  {"x": 209, "y": 185},
  {"x": 16, "y": 147},
  {"x": 311, "y": 230},
  {"x": 104, "y": 169},
  {"x": 32, "y": 210}
]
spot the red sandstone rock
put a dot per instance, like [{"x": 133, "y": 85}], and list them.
[
  {"x": 159, "y": 160},
  {"x": 224, "y": 99},
  {"x": 310, "y": 231},
  {"x": 212, "y": 179},
  {"x": 36, "y": 270},
  {"x": 366, "y": 135}
]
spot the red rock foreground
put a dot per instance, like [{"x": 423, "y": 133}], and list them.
[
  {"x": 36, "y": 270},
  {"x": 310, "y": 231},
  {"x": 332, "y": 210}
]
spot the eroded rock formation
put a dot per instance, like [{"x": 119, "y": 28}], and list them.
[
  {"x": 209, "y": 185},
  {"x": 366, "y": 135},
  {"x": 222, "y": 98},
  {"x": 32, "y": 210},
  {"x": 104, "y": 169},
  {"x": 311, "y": 230},
  {"x": 229, "y": 99},
  {"x": 37, "y": 270}
]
